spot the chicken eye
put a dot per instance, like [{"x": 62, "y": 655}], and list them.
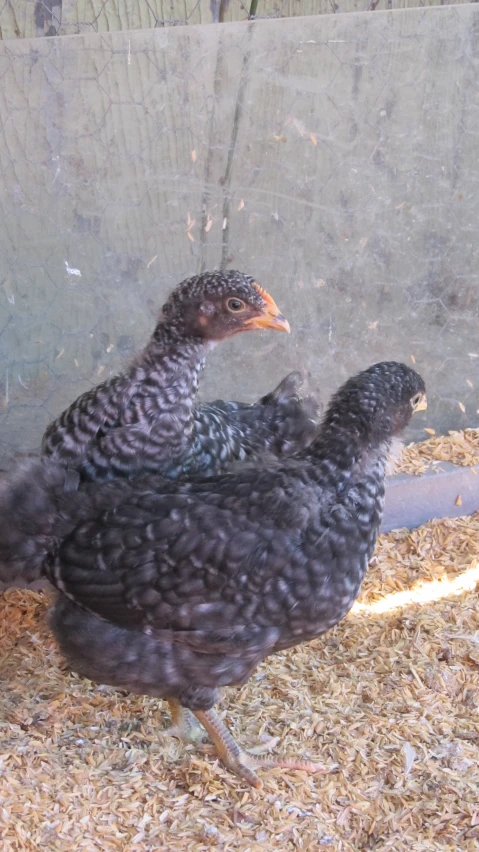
[
  {"x": 235, "y": 305},
  {"x": 418, "y": 402}
]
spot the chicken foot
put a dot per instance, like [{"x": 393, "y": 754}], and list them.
[{"x": 242, "y": 762}]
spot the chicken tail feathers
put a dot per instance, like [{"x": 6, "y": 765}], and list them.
[{"x": 36, "y": 501}]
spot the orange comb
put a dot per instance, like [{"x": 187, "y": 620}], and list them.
[{"x": 264, "y": 295}]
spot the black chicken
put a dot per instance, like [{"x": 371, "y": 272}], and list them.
[
  {"x": 174, "y": 590},
  {"x": 144, "y": 421}
]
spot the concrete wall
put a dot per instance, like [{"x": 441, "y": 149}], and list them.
[{"x": 334, "y": 157}]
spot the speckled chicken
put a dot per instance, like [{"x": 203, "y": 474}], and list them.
[
  {"x": 174, "y": 590},
  {"x": 145, "y": 420}
]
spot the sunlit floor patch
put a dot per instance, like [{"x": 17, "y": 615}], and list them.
[{"x": 423, "y": 593}]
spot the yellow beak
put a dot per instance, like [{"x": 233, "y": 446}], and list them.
[
  {"x": 422, "y": 404},
  {"x": 271, "y": 318}
]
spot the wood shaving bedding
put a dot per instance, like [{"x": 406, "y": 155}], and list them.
[
  {"x": 388, "y": 701},
  {"x": 461, "y": 448}
]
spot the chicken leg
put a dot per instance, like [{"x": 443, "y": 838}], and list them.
[
  {"x": 241, "y": 762},
  {"x": 185, "y": 726}
]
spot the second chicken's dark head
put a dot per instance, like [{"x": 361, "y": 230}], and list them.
[
  {"x": 217, "y": 305},
  {"x": 378, "y": 403}
]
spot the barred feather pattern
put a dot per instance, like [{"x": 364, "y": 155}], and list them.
[
  {"x": 145, "y": 422},
  {"x": 176, "y": 589},
  {"x": 178, "y": 594},
  {"x": 223, "y": 435},
  {"x": 40, "y": 504},
  {"x": 135, "y": 422},
  {"x": 229, "y": 434}
]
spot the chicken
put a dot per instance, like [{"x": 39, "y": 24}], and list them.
[
  {"x": 175, "y": 590},
  {"x": 144, "y": 420}
]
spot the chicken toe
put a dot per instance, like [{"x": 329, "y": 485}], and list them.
[{"x": 242, "y": 762}]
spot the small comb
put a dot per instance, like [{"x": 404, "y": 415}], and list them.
[{"x": 264, "y": 295}]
